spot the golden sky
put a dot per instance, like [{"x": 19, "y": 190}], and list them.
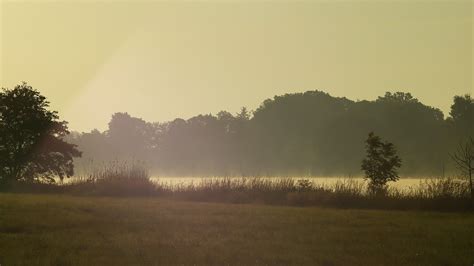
[{"x": 160, "y": 60}]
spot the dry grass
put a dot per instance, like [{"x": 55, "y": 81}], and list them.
[
  {"x": 71, "y": 230},
  {"x": 115, "y": 180},
  {"x": 133, "y": 180}
]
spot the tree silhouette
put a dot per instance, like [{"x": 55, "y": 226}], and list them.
[
  {"x": 464, "y": 159},
  {"x": 462, "y": 115},
  {"x": 380, "y": 164},
  {"x": 310, "y": 133},
  {"x": 130, "y": 136},
  {"x": 31, "y": 138}
]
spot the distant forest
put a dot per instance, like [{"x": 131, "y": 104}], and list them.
[{"x": 306, "y": 134}]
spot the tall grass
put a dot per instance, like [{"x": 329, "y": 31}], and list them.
[
  {"x": 440, "y": 194},
  {"x": 443, "y": 188},
  {"x": 115, "y": 179},
  {"x": 121, "y": 179},
  {"x": 235, "y": 190}
]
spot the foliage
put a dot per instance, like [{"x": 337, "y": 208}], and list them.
[
  {"x": 31, "y": 138},
  {"x": 462, "y": 114},
  {"x": 303, "y": 134},
  {"x": 381, "y": 163}
]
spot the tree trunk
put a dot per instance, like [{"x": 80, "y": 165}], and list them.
[{"x": 470, "y": 185}]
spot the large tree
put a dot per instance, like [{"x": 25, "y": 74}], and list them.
[
  {"x": 31, "y": 138},
  {"x": 130, "y": 137},
  {"x": 462, "y": 116}
]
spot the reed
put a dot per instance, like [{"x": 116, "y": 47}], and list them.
[{"x": 123, "y": 180}]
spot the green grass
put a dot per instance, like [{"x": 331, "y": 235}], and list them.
[{"x": 68, "y": 230}]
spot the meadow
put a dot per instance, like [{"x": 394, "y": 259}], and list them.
[{"x": 76, "y": 230}]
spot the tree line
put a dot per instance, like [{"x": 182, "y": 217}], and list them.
[{"x": 310, "y": 133}]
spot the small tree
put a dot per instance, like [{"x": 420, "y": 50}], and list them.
[
  {"x": 464, "y": 159},
  {"x": 31, "y": 138},
  {"x": 380, "y": 165}
]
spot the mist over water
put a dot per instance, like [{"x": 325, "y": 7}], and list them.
[{"x": 403, "y": 184}]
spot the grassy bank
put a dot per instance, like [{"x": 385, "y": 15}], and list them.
[
  {"x": 133, "y": 180},
  {"x": 68, "y": 230},
  {"x": 431, "y": 194}
]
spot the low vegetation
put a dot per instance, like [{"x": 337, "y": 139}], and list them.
[
  {"x": 133, "y": 180},
  {"x": 69, "y": 230}
]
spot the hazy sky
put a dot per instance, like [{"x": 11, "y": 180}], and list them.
[{"x": 161, "y": 60}]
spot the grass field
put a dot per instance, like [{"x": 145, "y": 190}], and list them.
[{"x": 68, "y": 230}]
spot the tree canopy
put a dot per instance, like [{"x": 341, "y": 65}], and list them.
[
  {"x": 311, "y": 133},
  {"x": 32, "y": 147},
  {"x": 380, "y": 164}
]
